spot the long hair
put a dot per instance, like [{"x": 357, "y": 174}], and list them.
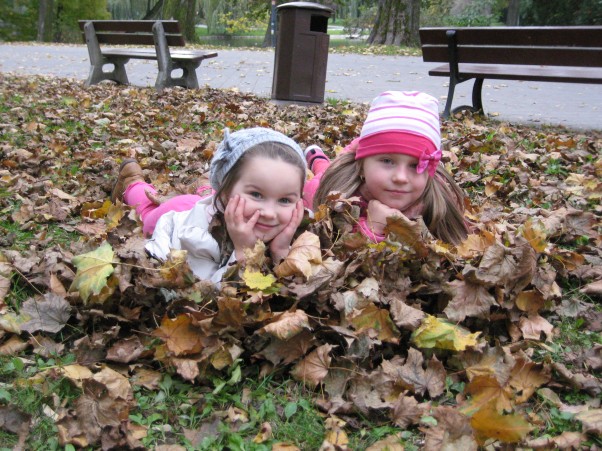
[
  {"x": 443, "y": 199},
  {"x": 271, "y": 150}
]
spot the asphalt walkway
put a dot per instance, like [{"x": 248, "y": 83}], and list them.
[{"x": 354, "y": 77}]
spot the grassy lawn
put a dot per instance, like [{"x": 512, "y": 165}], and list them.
[{"x": 495, "y": 343}]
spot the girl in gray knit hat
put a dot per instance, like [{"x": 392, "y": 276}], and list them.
[{"x": 257, "y": 178}]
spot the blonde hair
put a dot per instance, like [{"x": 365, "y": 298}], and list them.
[{"x": 443, "y": 199}]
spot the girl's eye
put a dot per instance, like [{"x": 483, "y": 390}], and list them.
[
  {"x": 387, "y": 160},
  {"x": 285, "y": 200},
  {"x": 255, "y": 195}
]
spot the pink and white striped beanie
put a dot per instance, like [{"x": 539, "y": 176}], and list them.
[{"x": 403, "y": 122}]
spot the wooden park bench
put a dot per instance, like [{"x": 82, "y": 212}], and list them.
[
  {"x": 161, "y": 34},
  {"x": 556, "y": 54}
]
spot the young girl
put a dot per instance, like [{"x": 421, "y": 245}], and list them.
[
  {"x": 394, "y": 168},
  {"x": 257, "y": 178}
]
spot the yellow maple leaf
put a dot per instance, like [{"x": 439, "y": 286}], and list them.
[
  {"x": 93, "y": 270},
  {"x": 535, "y": 233},
  {"x": 256, "y": 280},
  {"x": 438, "y": 333}
]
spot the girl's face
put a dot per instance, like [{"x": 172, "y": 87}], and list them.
[
  {"x": 392, "y": 179},
  {"x": 273, "y": 187}
]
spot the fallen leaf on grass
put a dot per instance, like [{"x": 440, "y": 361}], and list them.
[
  {"x": 93, "y": 270},
  {"x": 438, "y": 333},
  {"x": 488, "y": 423}
]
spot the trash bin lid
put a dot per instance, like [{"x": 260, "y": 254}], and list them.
[{"x": 306, "y": 5}]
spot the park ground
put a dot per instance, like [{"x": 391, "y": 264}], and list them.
[{"x": 412, "y": 343}]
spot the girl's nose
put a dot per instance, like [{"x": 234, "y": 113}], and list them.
[
  {"x": 268, "y": 211},
  {"x": 400, "y": 174}
]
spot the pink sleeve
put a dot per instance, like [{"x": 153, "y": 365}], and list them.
[
  {"x": 352, "y": 146},
  {"x": 364, "y": 228}
]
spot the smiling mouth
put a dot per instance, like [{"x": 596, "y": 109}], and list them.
[
  {"x": 397, "y": 192},
  {"x": 264, "y": 226}
]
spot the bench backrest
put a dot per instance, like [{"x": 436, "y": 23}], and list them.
[
  {"x": 548, "y": 46},
  {"x": 133, "y": 32}
]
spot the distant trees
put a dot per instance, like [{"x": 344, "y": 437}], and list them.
[{"x": 47, "y": 20}]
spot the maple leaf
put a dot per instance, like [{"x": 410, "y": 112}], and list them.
[
  {"x": 179, "y": 335},
  {"x": 256, "y": 280},
  {"x": 468, "y": 300},
  {"x": 526, "y": 377},
  {"x": 485, "y": 390},
  {"x": 591, "y": 420},
  {"x": 314, "y": 368},
  {"x": 535, "y": 234},
  {"x": 438, "y": 333},
  {"x": 488, "y": 423},
  {"x": 93, "y": 270},
  {"x": 533, "y": 325},
  {"x": 373, "y": 318},
  {"x": 409, "y": 232},
  {"x": 303, "y": 259},
  {"x": 287, "y": 325},
  {"x": 50, "y": 315},
  {"x": 475, "y": 243}
]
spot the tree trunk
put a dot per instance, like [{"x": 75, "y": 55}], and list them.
[
  {"x": 397, "y": 23},
  {"x": 189, "y": 21},
  {"x": 155, "y": 12},
  {"x": 45, "y": 20},
  {"x": 513, "y": 13}
]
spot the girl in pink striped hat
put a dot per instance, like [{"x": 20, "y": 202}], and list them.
[{"x": 394, "y": 168}]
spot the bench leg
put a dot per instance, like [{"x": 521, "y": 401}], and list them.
[
  {"x": 450, "y": 97},
  {"x": 187, "y": 80},
  {"x": 477, "y": 101},
  {"x": 118, "y": 74}
]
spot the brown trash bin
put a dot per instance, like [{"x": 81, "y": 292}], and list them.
[{"x": 301, "y": 52}]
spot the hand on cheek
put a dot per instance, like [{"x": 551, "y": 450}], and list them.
[
  {"x": 279, "y": 246},
  {"x": 378, "y": 214},
  {"x": 239, "y": 229}
]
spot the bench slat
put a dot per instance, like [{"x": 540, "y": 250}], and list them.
[
  {"x": 128, "y": 26},
  {"x": 577, "y": 36},
  {"x": 531, "y": 73},
  {"x": 138, "y": 39},
  {"x": 178, "y": 55},
  {"x": 546, "y": 56}
]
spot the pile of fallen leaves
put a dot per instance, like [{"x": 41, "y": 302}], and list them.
[{"x": 381, "y": 330}]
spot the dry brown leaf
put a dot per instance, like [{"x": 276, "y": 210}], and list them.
[{"x": 303, "y": 259}]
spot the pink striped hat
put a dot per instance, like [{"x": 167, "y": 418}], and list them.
[{"x": 403, "y": 122}]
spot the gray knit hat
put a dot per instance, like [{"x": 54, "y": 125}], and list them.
[{"x": 235, "y": 144}]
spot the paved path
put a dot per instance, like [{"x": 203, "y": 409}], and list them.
[{"x": 359, "y": 78}]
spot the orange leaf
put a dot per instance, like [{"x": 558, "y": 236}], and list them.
[
  {"x": 488, "y": 423},
  {"x": 180, "y": 336}
]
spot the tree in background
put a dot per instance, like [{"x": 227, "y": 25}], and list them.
[
  {"x": 397, "y": 23},
  {"x": 18, "y": 19},
  {"x": 561, "y": 12}
]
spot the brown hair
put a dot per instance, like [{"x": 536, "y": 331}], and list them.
[
  {"x": 272, "y": 150},
  {"x": 443, "y": 199}
]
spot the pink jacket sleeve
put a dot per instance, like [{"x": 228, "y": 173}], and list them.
[{"x": 365, "y": 229}]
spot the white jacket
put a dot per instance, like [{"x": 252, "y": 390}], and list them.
[{"x": 189, "y": 231}]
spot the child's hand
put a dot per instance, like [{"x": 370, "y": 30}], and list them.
[
  {"x": 378, "y": 214},
  {"x": 280, "y": 245},
  {"x": 240, "y": 230}
]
